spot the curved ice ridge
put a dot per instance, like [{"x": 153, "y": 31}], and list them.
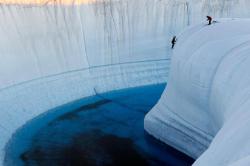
[{"x": 204, "y": 112}]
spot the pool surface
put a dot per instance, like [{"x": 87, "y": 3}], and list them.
[{"x": 106, "y": 129}]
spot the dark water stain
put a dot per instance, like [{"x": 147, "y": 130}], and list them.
[
  {"x": 93, "y": 148},
  {"x": 73, "y": 114}
]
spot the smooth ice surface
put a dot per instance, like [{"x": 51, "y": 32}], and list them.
[{"x": 205, "y": 109}]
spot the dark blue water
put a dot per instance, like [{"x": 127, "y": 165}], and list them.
[{"x": 106, "y": 129}]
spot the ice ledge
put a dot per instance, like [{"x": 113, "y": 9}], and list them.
[
  {"x": 204, "y": 112},
  {"x": 178, "y": 133}
]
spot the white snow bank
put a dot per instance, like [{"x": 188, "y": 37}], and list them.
[{"x": 205, "y": 108}]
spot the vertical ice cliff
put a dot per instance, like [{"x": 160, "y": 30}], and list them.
[
  {"x": 54, "y": 54},
  {"x": 205, "y": 108},
  {"x": 41, "y": 40}
]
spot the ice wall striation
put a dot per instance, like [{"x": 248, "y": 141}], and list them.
[
  {"x": 205, "y": 108},
  {"x": 54, "y": 54},
  {"x": 41, "y": 40}
]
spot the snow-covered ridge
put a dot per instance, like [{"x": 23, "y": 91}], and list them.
[{"x": 205, "y": 108}]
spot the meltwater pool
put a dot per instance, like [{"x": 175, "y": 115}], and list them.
[{"x": 106, "y": 129}]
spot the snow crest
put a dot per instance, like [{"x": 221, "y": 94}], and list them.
[{"x": 204, "y": 111}]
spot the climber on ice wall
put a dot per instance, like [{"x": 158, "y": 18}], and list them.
[
  {"x": 209, "y": 19},
  {"x": 173, "y": 41}
]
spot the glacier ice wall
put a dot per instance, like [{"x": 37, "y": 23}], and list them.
[
  {"x": 54, "y": 54},
  {"x": 205, "y": 108},
  {"x": 37, "y": 40}
]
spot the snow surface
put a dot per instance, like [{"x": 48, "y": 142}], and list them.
[
  {"x": 52, "y": 55},
  {"x": 204, "y": 111}
]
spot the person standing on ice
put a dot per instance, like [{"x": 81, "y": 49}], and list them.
[
  {"x": 209, "y": 19},
  {"x": 173, "y": 41}
]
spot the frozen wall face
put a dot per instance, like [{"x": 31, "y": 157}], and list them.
[
  {"x": 205, "y": 108},
  {"x": 108, "y": 32},
  {"x": 54, "y": 54},
  {"x": 40, "y": 40}
]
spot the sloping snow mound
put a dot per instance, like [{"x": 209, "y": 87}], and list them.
[{"x": 204, "y": 111}]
